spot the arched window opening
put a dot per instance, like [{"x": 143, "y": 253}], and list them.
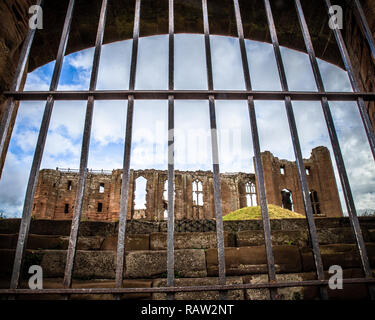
[
  {"x": 140, "y": 198},
  {"x": 287, "y": 199},
  {"x": 197, "y": 193},
  {"x": 251, "y": 194},
  {"x": 315, "y": 202}
]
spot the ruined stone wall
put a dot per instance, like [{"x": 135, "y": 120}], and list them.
[
  {"x": 53, "y": 194},
  {"x": 321, "y": 179},
  {"x": 56, "y": 190}
]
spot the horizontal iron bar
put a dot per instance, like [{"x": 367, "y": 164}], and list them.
[
  {"x": 190, "y": 95},
  {"x": 307, "y": 283}
]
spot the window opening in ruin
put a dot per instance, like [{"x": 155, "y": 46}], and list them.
[
  {"x": 251, "y": 195},
  {"x": 282, "y": 170},
  {"x": 69, "y": 187},
  {"x": 100, "y": 207},
  {"x": 287, "y": 199},
  {"x": 66, "y": 209},
  {"x": 197, "y": 193},
  {"x": 315, "y": 202},
  {"x": 101, "y": 188},
  {"x": 140, "y": 193},
  {"x": 308, "y": 171}
]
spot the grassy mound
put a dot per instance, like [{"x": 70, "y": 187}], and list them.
[{"x": 249, "y": 213}]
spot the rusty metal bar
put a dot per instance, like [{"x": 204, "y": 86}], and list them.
[
  {"x": 297, "y": 152},
  {"x": 257, "y": 155},
  {"x": 335, "y": 142},
  {"x": 340, "y": 162},
  {"x": 191, "y": 95},
  {"x": 215, "y": 155},
  {"x": 84, "y": 151},
  {"x": 365, "y": 27},
  {"x": 354, "y": 82},
  {"x": 289, "y": 284},
  {"x": 33, "y": 178},
  {"x": 170, "y": 245},
  {"x": 120, "y": 265},
  {"x": 20, "y": 71}
]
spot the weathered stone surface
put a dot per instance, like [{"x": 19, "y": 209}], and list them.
[
  {"x": 88, "y": 264},
  {"x": 189, "y": 240},
  {"x": 7, "y": 241},
  {"x": 279, "y": 237},
  {"x": 252, "y": 260},
  {"x": 337, "y": 235},
  {"x": 132, "y": 242},
  {"x": 57, "y": 283},
  {"x": 208, "y": 295},
  {"x": 292, "y": 293},
  {"x": 149, "y": 264},
  {"x": 344, "y": 255}
]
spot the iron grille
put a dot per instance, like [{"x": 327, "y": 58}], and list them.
[{"x": 211, "y": 95}]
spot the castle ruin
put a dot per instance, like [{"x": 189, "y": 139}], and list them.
[{"x": 55, "y": 194}]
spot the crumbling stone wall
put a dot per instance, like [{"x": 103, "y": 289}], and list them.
[
  {"x": 321, "y": 179},
  {"x": 56, "y": 191}
]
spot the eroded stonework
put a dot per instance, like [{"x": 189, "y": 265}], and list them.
[{"x": 56, "y": 191}]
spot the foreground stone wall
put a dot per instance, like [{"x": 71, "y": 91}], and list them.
[
  {"x": 56, "y": 190},
  {"x": 195, "y": 257}
]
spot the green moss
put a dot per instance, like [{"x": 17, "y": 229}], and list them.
[{"x": 254, "y": 213}]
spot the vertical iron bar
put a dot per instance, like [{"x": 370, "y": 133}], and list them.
[
  {"x": 365, "y": 27},
  {"x": 336, "y": 147},
  {"x": 297, "y": 152},
  {"x": 170, "y": 258},
  {"x": 84, "y": 152},
  {"x": 120, "y": 265},
  {"x": 258, "y": 160},
  {"x": 33, "y": 178},
  {"x": 354, "y": 82},
  {"x": 10, "y": 104},
  {"x": 215, "y": 155}
]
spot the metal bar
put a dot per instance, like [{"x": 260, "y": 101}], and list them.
[
  {"x": 215, "y": 155},
  {"x": 190, "y": 95},
  {"x": 258, "y": 159},
  {"x": 33, "y": 178},
  {"x": 120, "y": 266},
  {"x": 170, "y": 247},
  {"x": 297, "y": 152},
  {"x": 84, "y": 152},
  {"x": 365, "y": 27},
  {"x": 335, "y": 145},
  {"x": 20, "y": 71},
  {"x": 354, "y": 82},
  {"x": 306, "y": 283}
]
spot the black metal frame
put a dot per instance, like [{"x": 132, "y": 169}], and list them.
[{"x": 211, "y": 95}]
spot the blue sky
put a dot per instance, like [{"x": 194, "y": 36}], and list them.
[{"x": 191, "y": 117}]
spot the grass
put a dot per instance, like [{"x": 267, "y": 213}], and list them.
[{"x": 253, "y": 213}]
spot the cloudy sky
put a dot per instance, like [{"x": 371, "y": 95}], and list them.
[{"x": 149, "y": 148}]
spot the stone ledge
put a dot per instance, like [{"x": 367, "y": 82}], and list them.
[
  {"x": 344, "y": 255},
  {"x": 189, "y": 263},
  {"x": 208, "y": 295},
  {"x": 252, "y": 260},
  {"x": 279, "y": 237},
  {"x": 189, "y": 240}
]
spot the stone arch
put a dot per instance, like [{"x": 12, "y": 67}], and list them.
[{"x": 287, "y": 199}]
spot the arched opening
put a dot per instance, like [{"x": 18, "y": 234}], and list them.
[
  {"x": 287, "y": 199},
  {"x": 140, "y": 198}
]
